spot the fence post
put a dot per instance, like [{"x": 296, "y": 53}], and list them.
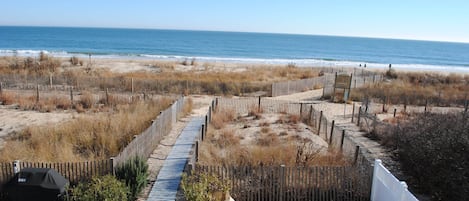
[
  {"x": 282, "y": 182},
  {"x": 342, "y": 140},
  {"x": 206, "y": 123},
  {"x": 259, "y": 105},
  {"x": 132, "y": 85},
  {"x": 202, "y": 134},
  {"x": 107, "y": 96},
  {"x": 216, "y": 103},
  {"x": 359, "y": 115},
  {"x": 112, "y": 163},
  {"x": 332, "y": 131},
  {"x": 71, "y": 95},
  {"x": 1, "y": 87},
  {"x": 37, "y": 93},
  {"x": 353, "y": 111},
  {"x": 213, "y": 105},
  {"x": 16, "y": 166},
  {"x": 310, "y": 114},
  {"x": 301, "y": 110},
  {"x": 395, "y": 110},
  {"x": 355, "y": 158},
  {"x": 320, "y": 119},
  {"x": 50, "y": 80}
]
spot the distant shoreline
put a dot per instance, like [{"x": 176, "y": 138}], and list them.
[{"x": 245, "y": 61}]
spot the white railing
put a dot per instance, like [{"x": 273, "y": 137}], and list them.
[{"x": 386, "y": 187}]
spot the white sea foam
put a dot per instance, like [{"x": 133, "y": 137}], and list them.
[{"x": 297, "y": 62}]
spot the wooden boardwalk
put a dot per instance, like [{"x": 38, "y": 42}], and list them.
[{"x": 169, "y": 177}]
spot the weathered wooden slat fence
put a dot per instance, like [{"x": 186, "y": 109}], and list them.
[
  {"x": 298, "y": 183},
  {"x": 294, "y": 183},
  {"x": 326, "y": 81},
  {"x": 142, "y": 145},
  {"x": 357, "y": 81},
  {"x": 75, "y": 172}
]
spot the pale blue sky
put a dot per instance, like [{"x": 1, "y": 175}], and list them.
[{"x": 442, "y": 20}]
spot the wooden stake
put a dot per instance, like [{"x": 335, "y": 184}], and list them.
[
  {"x": 37, "y": 93},
  {"x": 320, "y": 119},
  {"x": 71, "y": 95},
  {"x": 357, "y": 150},
  {"x": 50, "y": 81},
  {"x": 259, "y": 105},
  {"x": 132, "y": 84},
  {"x": 332, "y": 131},
  {"x": 196, "y": 151},
  {"x": 202, "y": 134},
  {"x": 359, "y": 115},
  {"x": 107, "y": 96},
  {"x": 342, "y": 140}
]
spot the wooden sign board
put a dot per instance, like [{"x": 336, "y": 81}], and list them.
[{"x": 343, "y": 81}]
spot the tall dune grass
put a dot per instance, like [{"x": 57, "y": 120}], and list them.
[
  {"x": 222, "y": 146},
  {"x": 84, "y": 138},
  {"x": 418, "y": 89}
]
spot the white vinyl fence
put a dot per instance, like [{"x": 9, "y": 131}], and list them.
[{"x": 386, "y": 187}]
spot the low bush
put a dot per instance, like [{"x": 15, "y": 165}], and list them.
[
  {"x": 203, "y": 187},
  {"x": 105, "y": 188},
  {"x": 133, "y": 173},
  {"x": 433, "y": 150}
]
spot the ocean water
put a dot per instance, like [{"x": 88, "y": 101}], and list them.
[{"x": 303, "y": 50}]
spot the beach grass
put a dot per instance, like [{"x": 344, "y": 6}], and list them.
[
  {"x": 223, "y": 146},
  {"x": 99, "y": 136},
  {"x": 418, "y": 89}
]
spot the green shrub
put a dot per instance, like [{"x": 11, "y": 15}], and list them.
[
  {"x": 433, "y": 151},
  {"x": 103, "y": 188},
  {"x": 134, "y": 173},
  {"x": 203, "y": 187}
]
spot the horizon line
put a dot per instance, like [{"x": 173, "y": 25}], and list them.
[{"x": 231, "y": 31}]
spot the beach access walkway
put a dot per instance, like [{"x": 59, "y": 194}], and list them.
[{"x": 167, "y": 183}]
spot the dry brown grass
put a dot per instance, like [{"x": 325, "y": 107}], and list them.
[
  {"x": 413, "y": 90},
  {"x": 220, "y": 118},
  {"x": 230, "y": 146},
  {"x": 85, "y": 138},
  {"x": 168, "y": 80},
  {"x": 7, "y": 98},
  {"x": 255, "y": 111}
]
